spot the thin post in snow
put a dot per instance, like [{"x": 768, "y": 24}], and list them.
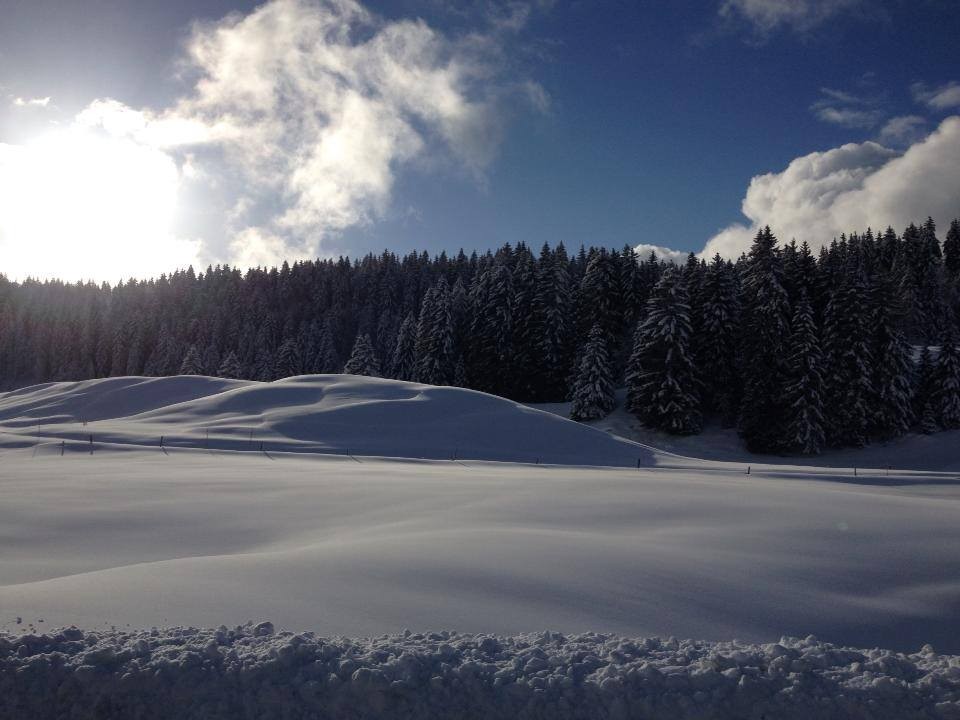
[
  {"x": 748, "y": 469},
  {"x": 261, "y": 446},
  {"x": 161, "y": 442},
  {"x": 854, "y": 472},
  {"x": 91, "y": 443},
  {"x": 638, "y": 463},
  {"x": 63, "y": 447},
  {"x": 251, "y": 439}
]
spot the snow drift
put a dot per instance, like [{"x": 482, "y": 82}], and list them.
[
  {"x": 340, "y": 414},
  {"x": 252, "y": 672}
]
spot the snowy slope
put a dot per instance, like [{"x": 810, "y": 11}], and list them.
[
  {"x": 209, "y": 532},
  {"x": 341, "y": 414},
  {"x": 938, "y": 452}
]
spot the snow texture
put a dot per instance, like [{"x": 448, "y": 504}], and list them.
[
  {"x": 252, "y": 672},
  {"x": 334, "y": 414}
]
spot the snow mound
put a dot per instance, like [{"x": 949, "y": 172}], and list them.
[
  {"x": 342, "y": 414},
  {"x": 253, "y": 672}
]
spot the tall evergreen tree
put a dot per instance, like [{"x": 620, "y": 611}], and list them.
[
  {"x": 192, "y": 364},
  {"x": 715, "y": 342},
  {"x": 662, "y": 386},
  {"x": 593, "y": 391},
  {"x": 947, "y": 383},
  {"x": 766, "y": 326},
  {"x": 404, "y": 359},
  {"x": 553, "y": 310},
  {"x": 230, "y": 367},
  {"x": 803, "y": 421},
  {"x": 951, "y": 251},
  {"x": 363, "y": 360},
  {"x": 893, "y": 368},
  {"x": 925, "y": 400}
]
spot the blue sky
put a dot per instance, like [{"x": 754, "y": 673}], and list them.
[{"x": 584, "y": 122}]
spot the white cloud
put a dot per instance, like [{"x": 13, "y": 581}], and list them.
[
  {"x": 300, "y": 115},
  {"x": 767, "y": 16},
  {"x": 678, "y": 257},
  {"x": 31, "y": 102},
  {"x": 942, "y": 98},
  {"x": 820, "y": 195},
  {"x": 903, "y": 129},
  {"x": 846, "y": 109}
]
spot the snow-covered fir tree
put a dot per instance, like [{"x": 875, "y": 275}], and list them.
[
  {"x": 192, "y": 363},
  {"x": 893, "y": 369},
  {"x": 593, "y": 391},
  {"x": 553, "y": 310},
  {"x": 230, "y": 367},
  {"x": 404, "y": 360},
  {"x": 925, "y": 401},
  {"x": 803, "y": 421},
  {"x": 287, "y": 361},
  {"x": 766, "y": 326},
  {"x": 947, "y": 383},
  {"x": 363, "y": 360},
  {"x": 662, "y": 385},
  {"x": 715, "y": 342},
  {"x": 435, "y": 339},
  {"x": 491, "y": 331}
]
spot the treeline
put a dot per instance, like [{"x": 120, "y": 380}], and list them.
[{"x": 799, "y": 351}]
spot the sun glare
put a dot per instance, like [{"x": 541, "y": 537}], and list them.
[{"x": 78, "y": 205}]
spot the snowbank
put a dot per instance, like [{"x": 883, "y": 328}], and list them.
[
  {"x": 334, "y": 414},
  {"x": 253, "y": 672}
]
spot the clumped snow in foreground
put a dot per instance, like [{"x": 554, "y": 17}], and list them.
[{"x": 252, "y": 672}]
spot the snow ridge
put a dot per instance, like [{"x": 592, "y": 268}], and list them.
[{"x": 252, "y": 671}]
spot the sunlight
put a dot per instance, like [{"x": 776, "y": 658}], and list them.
[{"x": 77, "y": 205}]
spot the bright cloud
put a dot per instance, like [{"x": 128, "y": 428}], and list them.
[
  {"x": 941, "y": 98},
  {"x": 298, "y": 118},
  {"x": 31, "y": 102},
  {"x": 903, "y": 129},
  {"x": 678, "y": 257},
  {"x": 820, "y": 195},
  {"x": 767, "y": 16}
]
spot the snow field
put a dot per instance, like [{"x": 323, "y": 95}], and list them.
[{"x": 253, "y": 672}]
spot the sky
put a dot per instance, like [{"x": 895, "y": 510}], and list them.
[{"x": 138, "y": 138}]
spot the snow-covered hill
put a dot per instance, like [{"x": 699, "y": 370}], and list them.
[
  {"x": 339, "y": 526},
  {"x": 339, "y": 414},
  {"x": 937, "y": 452}
]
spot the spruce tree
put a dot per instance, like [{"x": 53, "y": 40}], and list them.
[
  {"x": 553, "y": 315},
  {"x": 715, "y": 343},
  {"x": 951, "y": 251},
  {"x": 947, "y": 384},
  {"x": 287, "y": 360},
  {"x": 893, "y": 369},
  {"x": 435, "y": 350},
  {"x": 404, "y": 354},
  {"x": 230, "y": 367},
  {"x": 363, "y": 360},
  {"x": 766, "y": 327},
  {"x": 662, "y": 385},
  {"x": 803, "y": 421},
  {"x": 593, "y": 392},
  {"x": 850, "y": 401},
  {"x": 925, "y": 401},
  {"x": 192, "y": 363}
]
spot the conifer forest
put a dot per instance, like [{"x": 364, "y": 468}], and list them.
[{"x": 799, "y": 350}]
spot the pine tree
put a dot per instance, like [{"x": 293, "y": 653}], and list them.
[
  {"x": 804, "y": 383},
  {"x": 491, "y": 332},
  {"x": 435, "y": 350},
  {"x": 766, "y": 328},
  {"x": 287, "y": 361},
  {"x": 553, "y": 311},
  {"x": 593, "y": 392},
  {"x": 230, "y": 367},
  {"x": 925, "y": 399},
  {"x": 951, "y": 251},
  {"x": 947, "y": 384},
  {"x": 715, "y": 342},
  {"x": 893, "y": 369},
  {"x": 849, "y": 393},
  {"x": 662, "y": 385},
  {"x": 192, "y": 364},
  {"x": 363, "y": 359},
  {"x": 404, "y": 354}
]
